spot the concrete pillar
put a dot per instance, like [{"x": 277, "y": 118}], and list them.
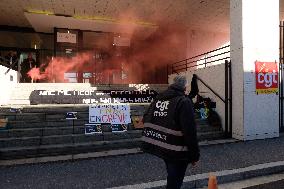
[{"x": 254, "y": 36}]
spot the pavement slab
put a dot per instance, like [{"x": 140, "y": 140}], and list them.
[{"x": 115, "y": 171}]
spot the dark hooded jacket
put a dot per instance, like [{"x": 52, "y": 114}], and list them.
[{"x": 169, "y": 127}]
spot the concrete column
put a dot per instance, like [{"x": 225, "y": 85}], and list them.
[{"x": 254, "y": 36}]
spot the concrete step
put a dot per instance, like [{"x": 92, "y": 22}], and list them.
[
  {"x": 37, "y": 131},
  {"x": 19, "y": 101},
  {"x": 68, "y": 148},
  {"x": 44, "y": 124},
  {"x": 65, "y": 127},
  {"x": 61, "y": 110},
  {"x": 54, "y": 113},
  {"x": 93, "y": 143},
  {"x": 67, "y": 138},
  {"x": 33, "y": 117},
  {"x": 50, "y": 131},
  {"x": 46, "y": 131},
  {"x": 206, "y": 128},
  {"x": 211, "y": 135},
  {"x": 78, "y": 122}
]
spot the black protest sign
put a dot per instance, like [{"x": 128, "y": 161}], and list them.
[{"x": 93, "y": 129}]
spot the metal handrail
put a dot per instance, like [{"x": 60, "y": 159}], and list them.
[
  {"x": 204, "y": 53},
  {"x": 200, "y": 60},
  {"x": 228, "y": 97},
  {"x": 215, "y": 93},
  {"x": 176, "y": 70},
  {"x": 203, "y": 61}
]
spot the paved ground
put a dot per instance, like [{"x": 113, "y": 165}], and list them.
[
  {"x": 273, "y": 181},
  {"x": 133, "y": 169},
  {"x": 272, "y": 185}
]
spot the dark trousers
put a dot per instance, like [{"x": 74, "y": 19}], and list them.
[{"x": 176, "y": 172}]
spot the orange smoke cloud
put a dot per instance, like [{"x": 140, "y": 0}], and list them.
[
  {"x": 151, "y": 56},
  {"x": 58, "y": 66},
  {"x": 144, "y": 61},
  {"x": 35, "y": 74}
]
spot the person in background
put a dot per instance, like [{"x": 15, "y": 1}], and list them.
[
  {"x": 3, "y": 61},
  {"x": 194, "y": 87},
  {"x": 170, "y": 131},
  {"x": 26, "y": 66},
  {"x": 12, "y": 60}
]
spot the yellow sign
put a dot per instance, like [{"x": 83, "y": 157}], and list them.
[{"x": 267, "y": 91}]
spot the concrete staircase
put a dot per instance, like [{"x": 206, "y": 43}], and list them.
[
  {"x": 42, "y": 130},
  {"x": 39, "y": 131}
]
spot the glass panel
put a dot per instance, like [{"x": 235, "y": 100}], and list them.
[{"x": 26, "y": 40}]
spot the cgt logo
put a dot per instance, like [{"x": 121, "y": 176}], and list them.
[
  {"x": 161, "y": 106},
  {"x": 266, "y": 77}
]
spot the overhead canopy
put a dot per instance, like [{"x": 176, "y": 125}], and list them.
[{"x": 46, "y": 23}]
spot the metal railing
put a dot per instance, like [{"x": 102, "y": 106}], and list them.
[
  {"x": 217, "y": 56},
  {"x": 8, "y": 63},
  {"x": 213, "y": 57},
  {"x": 228, "y": 97}
]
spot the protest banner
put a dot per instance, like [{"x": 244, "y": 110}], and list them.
[{"x": 107, "y": 113}]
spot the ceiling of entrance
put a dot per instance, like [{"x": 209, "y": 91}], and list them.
[{"x": 210, "y": 15}]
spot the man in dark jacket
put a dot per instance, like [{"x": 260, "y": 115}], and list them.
[
  {"x": 13, "y": 60},
  {"x": 26, "y": 66},
  {"x": 170, "y": 131}
]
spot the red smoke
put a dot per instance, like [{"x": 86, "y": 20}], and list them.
[
  {"x": 144, "y": 61},
  {"x": 151, "y": 56},
  {"x": 35, "y": 74},
  {"x": 58, "y": 66}
]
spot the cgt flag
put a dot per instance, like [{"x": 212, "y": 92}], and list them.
[{"x": 266, "y": 77}]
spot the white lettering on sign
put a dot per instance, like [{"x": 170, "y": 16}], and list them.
[
  {"x": 51, "y": 93},
  {"x": 43, "y": 93},
  {"x": 267, "y": 78},
  {"x": 66, "y": 92},
  {"x": 66, "y": 37}
]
